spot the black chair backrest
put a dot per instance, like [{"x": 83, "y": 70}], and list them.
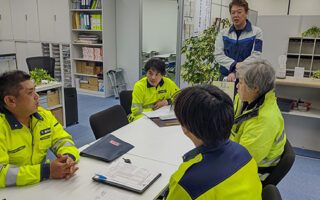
[
  {"x": 41, "y": 62},
  {"x": 283, "y": 167},
  {"x": 126, "y": 100},
  {"x": 271, "y": 192},
  {"x": 108, "y": 120}
]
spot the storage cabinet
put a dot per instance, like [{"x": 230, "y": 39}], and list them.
[
  {"x": 93, "y": 47},
  {"x": 25, "y": 23},
  {"x": 5, "y": 21},
  {"x": 61, "y": 53},
  {"x": 303, "y": 52},
  {"x": 53, "y": 21},
  {"x": 54, "y": 100},
  {"x": 25, "y": 50},
  {"x": 301, "y": 126}
]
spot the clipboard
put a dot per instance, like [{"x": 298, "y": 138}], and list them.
[{"x": 128, "y": 177}]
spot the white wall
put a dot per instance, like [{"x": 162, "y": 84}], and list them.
[
  {"x": 280, "y": 7},
  {"x": 276, "y": 32},
  {"x": 127, "y": 30},
  {"x": 306, "y": 7},
  {"x": 159, "y": 26}
]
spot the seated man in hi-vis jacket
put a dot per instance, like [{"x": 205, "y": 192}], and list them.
[
  {"x": 27, "y": 131},
  {"x": 216, "y": 168},
  {"x": 152, "y": 92}
]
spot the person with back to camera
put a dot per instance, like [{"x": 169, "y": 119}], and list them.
[
  {"x": 27, "y": 131},
  {"x": 240, "y": 43},
  {"x": 216, "y": 168},
  {"x": 152, "y": 92},
  {"x": 259, "y": 125}
]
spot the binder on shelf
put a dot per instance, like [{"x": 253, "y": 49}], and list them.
[
  {"x": 127, "y": 176},
  {"x": 107, "y": 148},
  {"x": 93, "y": 6}
]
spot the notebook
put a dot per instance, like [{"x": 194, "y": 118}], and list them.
[
  {"x": 107, "y": 148},
  {"x": 127, "y": 176}
]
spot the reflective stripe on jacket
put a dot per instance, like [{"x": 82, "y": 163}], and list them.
[
  {"x": 23, "y": 150},
  {"x": 260, "y": 130},
  {"x": 229, "y": 50},
  {"x": 223, "y": 172},
  {"x": 144, "y": 96}
]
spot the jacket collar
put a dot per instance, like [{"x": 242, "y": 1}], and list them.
[
  {"x": 203, "y": 149},
  {"x": 251, "y": 110},
  {"x": 160, "y": 83},
  {"x": 12, "y": 120},
  {"x": 247, "y": 28}
]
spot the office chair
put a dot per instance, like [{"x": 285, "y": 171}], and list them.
[
  {"x": 41, "y": 62},
  {"x": 107, "y": 121},
  {"x": 126, "y": 100},
  {"x": 271, "y": 192},
  {"x": 283, "y": 167}
]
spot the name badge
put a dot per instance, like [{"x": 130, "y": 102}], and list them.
[
  {"x": 162, "y": 91},
  {"x": 45, "y": 131}
]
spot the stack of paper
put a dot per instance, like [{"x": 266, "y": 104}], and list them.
[{"x": 164, "y": 112}]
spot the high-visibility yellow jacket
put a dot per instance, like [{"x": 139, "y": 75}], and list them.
[
  {"x": 260, "y": 129},
  {"x": 23, "y": 150},
  {"x": 144, "y": 95},
  {"x": 223, "y": 172}
]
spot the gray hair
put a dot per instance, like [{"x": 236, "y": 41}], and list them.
[{"x": 257, "y": 74}]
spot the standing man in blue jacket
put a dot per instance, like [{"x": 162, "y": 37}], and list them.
[{"x": 240, "y": 43}]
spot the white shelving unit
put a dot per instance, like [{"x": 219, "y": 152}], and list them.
[
  {"x": 61, "y": 53},
  {"x": 58, "y": 86},
  {"x": 303, "y": 52},
  {"x": 302, "y": 127},
  {"x": 107, "y": 40}
]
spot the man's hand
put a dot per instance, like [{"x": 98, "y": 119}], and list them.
[
  {"x": 238, "y": 65},
  {"x": 62, "y": 167},
  {"x": 231, "y": 77},
  {"x": 72, "y": 168},
  {"x": 160, "y": 104}
]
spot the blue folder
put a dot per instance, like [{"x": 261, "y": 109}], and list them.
[{"x": 107, "y": 148}]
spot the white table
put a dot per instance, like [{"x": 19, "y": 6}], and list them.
[{"x": 159, "y": 149}]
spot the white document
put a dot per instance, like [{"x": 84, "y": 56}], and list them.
[
  {"x": 161, "y": 112},
  {"x": 129, "y": 176},
  {"x": 227, "y": 87}
]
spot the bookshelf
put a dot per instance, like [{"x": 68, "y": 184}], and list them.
[
  {"x": 93, "y": 47},
  {"x": 303, "y": 52}
]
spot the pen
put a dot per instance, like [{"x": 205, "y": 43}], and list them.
[{"x": 100, "y": 178}]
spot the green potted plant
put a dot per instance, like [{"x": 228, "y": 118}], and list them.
[
  {"x": 40, "y": 76},
  {"x": 314, "y": 31},
  {"x": 200, "y": 66}
]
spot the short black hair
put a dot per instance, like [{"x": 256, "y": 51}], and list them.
[
  {"x": 157, "y": 64},
  {"x": 241, "y": 3},
  {"x": 10, "y": 83},
  {"x": 206, "y": 111}
]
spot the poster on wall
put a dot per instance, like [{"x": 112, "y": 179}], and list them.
[{"x": 202, "y": 16}]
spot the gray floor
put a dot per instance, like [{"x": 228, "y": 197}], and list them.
[{"x": 301, "y": 183}]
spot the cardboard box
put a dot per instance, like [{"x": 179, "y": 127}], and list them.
[
  {"x": 83, "y": 67},
  {"x": 84, "y": 86},
  {"x": 57, "y": 113},
  {"x": 53, "y": 98},
  {"x": 79, "y": 67},
  {"x": 99, "y": 69},
  {"x": 93, "y": 87},
  {"x": 90, "y": 70},
  {"x": 93, "y": 81}
]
